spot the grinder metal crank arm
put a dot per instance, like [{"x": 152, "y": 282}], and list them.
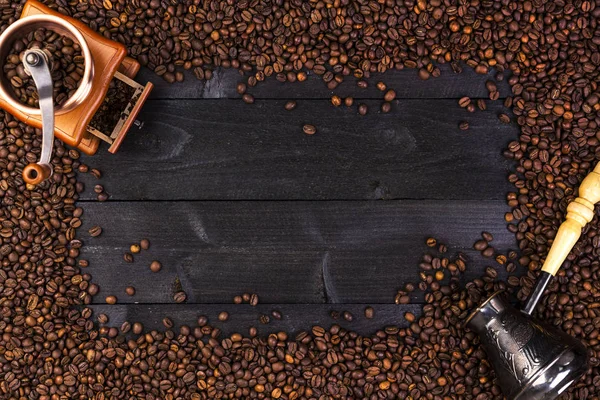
[
  {"x": 36, "y": 64},
  {"x": 579, "y": 213}
]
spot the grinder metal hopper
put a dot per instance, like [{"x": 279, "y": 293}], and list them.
[{"x": 105, "y": 60}]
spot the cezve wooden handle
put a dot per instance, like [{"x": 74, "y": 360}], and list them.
[{"x": 579, "y": 213}]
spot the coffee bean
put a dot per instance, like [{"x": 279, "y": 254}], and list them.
[
  {"x": 180, "y": 297},
  {"x": 481, "y": 104},
  {"x": 144, "y": 244},
  {"x": 386, "y": 108},
  {"x": 369, "y": 312},
  {"x": 128, "y": 257},
  {"x": 125, "y": 327},
  {"x": 463, "y": 126},
  {"x": 237, "y": 300},
  {"x": 290, "y": 105},
  {"x": 102, "y": 319},
  {"x": 347, "y": 315},
  {"x": 264, "y": 319},
  {"x": 362, "y": 109},
  {"x": 155, "y": 266},
  {"x": 254, "y": 300},
  {"x": 390, "y": 95},
  {"x": 381, "y": 86},
  {"x": 223, "y": 316},
  {"x": 488, "y": 237},
  {"x": 309, "y": 129},
  {"x": 276, "y": 314},
  {"x": 480, "y": 245},
  {"x": 491, "y": 86},
  {"x": 348, "y": 101},
  {"x": 431, "y": 242},
  {"x": 95, "y": 231},
  {"x": 505, "y": 119},
  {"x": 111, "y": 300},
  {"x": 336, "y": 101},
  {"x": 130, "y": 290},
  {"x": 137, "y": 328},
  {"x": 135, "y": 248},
  {"x": 241, "y": 88},
  {"x": 362, "y": 84},
  {"x": 167, "y": 323},
  {"x": 464, "y": 101},
  {"x": 248, "y": 98}
]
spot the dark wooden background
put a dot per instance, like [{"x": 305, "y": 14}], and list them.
[{"x": 235, "y": 198}]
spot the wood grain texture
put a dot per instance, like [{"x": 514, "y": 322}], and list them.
[
  {"x": 406, "y": 84},
  {"x": 286, "y": 252},
  {"x": 228, "y": 150},
  {"x": 295, "y": 317}
]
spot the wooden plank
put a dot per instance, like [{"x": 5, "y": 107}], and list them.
[
  {"x": 295, "y": 317},
  {"x": 286, "y": 252},
  {"x": 405, "y": 83},
  {"x": 225, "y": 149}
]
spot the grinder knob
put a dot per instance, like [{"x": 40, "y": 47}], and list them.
[{"x": 36, "y": 65}]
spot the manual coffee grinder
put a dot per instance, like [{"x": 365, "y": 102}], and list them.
[
  {"x": 532, "y": 360},
  {"x": 105, "y": 60}
]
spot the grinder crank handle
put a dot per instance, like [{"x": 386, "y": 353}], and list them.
[
  {"x": 36, "y": 64},
  {"x": 579, "y": 213}
]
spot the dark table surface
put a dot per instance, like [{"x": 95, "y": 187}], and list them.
[{"x": 236, "y": 198}]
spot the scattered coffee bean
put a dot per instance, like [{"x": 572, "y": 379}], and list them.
[
  {"x": 137, "y": 328},
  {"x": 95, "y": 231},
  {"x": 155, "y": 266},
  {"x": 102, "y": 319},
  {"x": 144, "y": 244},
  {"x": 309, "y": 129},
  {"x": 223, "y": 316},
  {"x": 130, "y": 290},
  {"x": 111, "y": 300},
  {"x": 128, "y": 257},
  {"x": 241, "y": 88},
  {"x": 276, "y": 314},
  {"x": 336, "y": 101},
  {"x": 390, "y": 95},
  {"x": 363, "y": 109},
  {"x": 369, "y": 312},
  {"x": 505, "y": 119},
  {"x": 290, "y": 105},
  {"x": 248, "y": 98},
  {"x": 254, "y": 300},
  {"x": 464, "y": 101},
  {"x": 180, "y": 297},
  {"x": 463, "y": 126},
  {"x": 135, "y": 248}
]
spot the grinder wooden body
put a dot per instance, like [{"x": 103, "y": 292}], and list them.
[{"x": 110, "y": 61}]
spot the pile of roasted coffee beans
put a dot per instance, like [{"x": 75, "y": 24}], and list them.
[
  {"x": 548, "y": 51},
  {"x": 66, "y": 64}
]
